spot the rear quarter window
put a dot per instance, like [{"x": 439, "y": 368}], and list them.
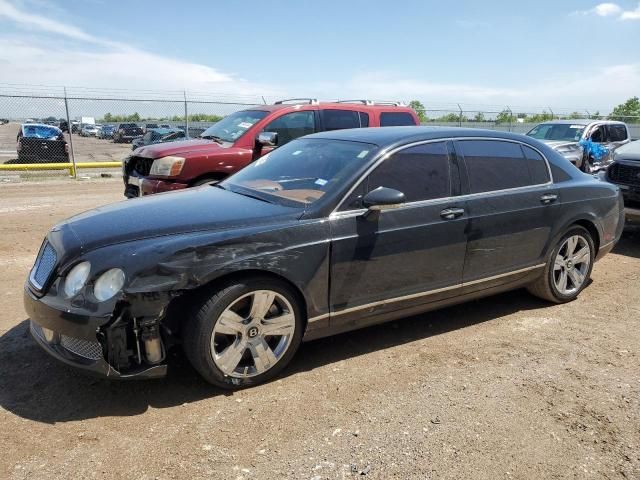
[
  {"x": 396, "y": 119},
  {"x": 494, "y": 165}
]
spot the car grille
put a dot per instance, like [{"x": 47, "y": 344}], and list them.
[
  {"x": 44, "y": 265},
  {"x": 140, "y": 165},
  {"x": 626, "y": 174},
  {"x": 83, "y": 348}
]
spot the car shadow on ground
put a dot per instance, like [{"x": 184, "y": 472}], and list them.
[
  {"x": 629, "y": 244},
  {"x": 37, "y": 387}
]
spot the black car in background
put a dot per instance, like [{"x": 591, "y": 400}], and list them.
[
  {"x": 158, "y": 135},
  {"x": 126, "y": 132},
  {"x": 41, "y": 143},
  {"x": 625, "y": 172},
  {"x": 328, "y": 233}
]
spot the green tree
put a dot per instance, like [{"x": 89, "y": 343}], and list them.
[
  {"x": 418, "y": 107},
  {"x": 575, "y": 115},
  {"x": 450, "y": 118},
  {"x": 630, "y": 108},
  {"x": 479, "y": 117},
  {"x": 540, "y": 117},
  {"x": 505, "y": 116}
]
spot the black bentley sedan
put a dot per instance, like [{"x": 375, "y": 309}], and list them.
[{"x": 329, "y": 233}]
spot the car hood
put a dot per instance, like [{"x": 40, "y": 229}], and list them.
[
  {"x": 204, "y": 208},
  {"x": 555, "y": 144},
  {"x": 182, "y": 147}
]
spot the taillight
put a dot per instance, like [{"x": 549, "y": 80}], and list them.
[{"x": 66, "y": 147}]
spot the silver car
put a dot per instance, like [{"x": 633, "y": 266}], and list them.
[{"x": 587, "y": 143}]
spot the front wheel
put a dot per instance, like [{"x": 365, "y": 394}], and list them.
[
  {"x": 568, "y": 267},
  {"x": 246, "y": 333}
]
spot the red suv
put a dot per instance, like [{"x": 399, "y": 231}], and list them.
[{"x": 242, "y": 137}]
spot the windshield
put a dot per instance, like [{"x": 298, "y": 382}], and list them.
[
  {"x": 233, "y": 126},
  {"x": 557, "y": 131},
  {"x": 303, "y": 171},
  {"x": 40, "y": 131}
]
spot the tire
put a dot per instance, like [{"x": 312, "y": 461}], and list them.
[
  {"x": 549, "y": 285},
  {"x": 205, "y": 181},
  {"x": 232, "y": 350}
]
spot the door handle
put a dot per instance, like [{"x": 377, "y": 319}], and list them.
[
  {"x": 548, "y": 198},
  {"x": 451, "y": 213}
]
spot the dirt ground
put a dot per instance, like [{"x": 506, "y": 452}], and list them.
[{"x": 501, "y": 388}]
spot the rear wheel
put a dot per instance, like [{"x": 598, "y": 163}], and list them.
[
  {"x": 246, "y": 333},
  {"x": 568, "y": 267}
]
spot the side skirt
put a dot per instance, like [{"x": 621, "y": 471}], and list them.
[{"x": 340, "y": 323}]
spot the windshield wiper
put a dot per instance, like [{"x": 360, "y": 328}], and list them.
[
  {"x": 214, "y": 138},
  {"x": 247, "y": 193}
]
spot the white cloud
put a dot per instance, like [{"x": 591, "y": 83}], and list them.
[
  {"x": 30, "y": 59},
  {"x": 611, "y": 10},
  {"x": 37, "y": 22},
  {"x": 631, "y": 14},
  {"x": 607, "y": 9},
  {"x": 579, "y": 90}
]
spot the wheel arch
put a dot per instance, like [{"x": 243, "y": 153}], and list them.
[
  {"x": 590, "y": 227},
  {"x": 185, "y": 302}
]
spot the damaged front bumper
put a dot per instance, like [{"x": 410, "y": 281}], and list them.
[{"x": 86, "y": 342}]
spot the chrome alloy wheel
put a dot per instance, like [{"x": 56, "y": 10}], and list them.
[
  {"x": 571, "y": 265},
  {"x": 252, "y": 334}
]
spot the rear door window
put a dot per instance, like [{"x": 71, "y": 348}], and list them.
[
  {"x": 340, "y": 119},
  {"x": 396, "y": 119},
  {"x": 617, "y": 133},
  {"x": 538, "y": 170},
  {"x": 494, "y": 165}
]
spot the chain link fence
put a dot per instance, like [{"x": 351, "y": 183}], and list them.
[
  {"x": 92, "y": 127},
  {"x": 92, "y": 119}
]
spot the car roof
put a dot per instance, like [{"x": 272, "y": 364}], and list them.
[
  {"x": 30, "y": 124},
  {"x": 386, "y": 136},
  {"x": 579, "y": 121},
  {"x": 354, "y": 105}
]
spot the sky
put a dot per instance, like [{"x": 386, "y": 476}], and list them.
[{"x": 566, "y": 54}]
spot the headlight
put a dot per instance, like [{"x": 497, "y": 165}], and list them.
[
  {"x": 167, "y": 166},
  {"x": 108, "y": 284},
  {"x": 76, "y": 278}
]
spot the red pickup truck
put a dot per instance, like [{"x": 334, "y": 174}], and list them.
[{"x": 242, "y": 137}]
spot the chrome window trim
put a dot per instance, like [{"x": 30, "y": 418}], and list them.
[
  {"x": 386, "y": 154},
  {"x": 424, "y": 294}
]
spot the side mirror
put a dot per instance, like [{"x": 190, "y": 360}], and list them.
[
  {"x": 267, "y": 139},
  {"x": 383, "y": 198}
]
